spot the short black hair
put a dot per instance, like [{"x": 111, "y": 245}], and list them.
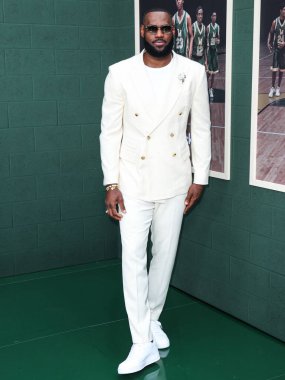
[
  {"x": 282, "y": 5},
  {"x": 156, "y": 10},
  {"x": 198, "y": 9}
]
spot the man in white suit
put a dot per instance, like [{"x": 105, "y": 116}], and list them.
[{"x": 147, "y": 171}]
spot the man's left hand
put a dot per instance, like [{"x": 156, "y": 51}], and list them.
[{"x": 194, "y": 193}]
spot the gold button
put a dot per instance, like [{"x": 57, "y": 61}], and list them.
[
  {"x": 136, "y": 114},
  {"x": 174, "y": 155},
  {"x": 148, "y": 137},
  {"x": 171, "y": 134},
  {"x": 180, "y": 113},
  {"x": 142, "y": 157}
]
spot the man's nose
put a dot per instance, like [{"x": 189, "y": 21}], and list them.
[{"x": 159, "y": 33}]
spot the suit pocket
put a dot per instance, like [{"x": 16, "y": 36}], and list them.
[{"x": 128, "y": 153}]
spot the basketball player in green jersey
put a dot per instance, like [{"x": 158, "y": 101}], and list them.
[
  {"x": 183, "y": 39},
  {"x": 199, "y": 39},
  {"x": 213, "y": 40},
  {"x": 276, "y": 34}
]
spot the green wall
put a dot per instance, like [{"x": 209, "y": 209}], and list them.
[
  {"x": 54, "y": 56},
  {"x": 232, "y": 250}
]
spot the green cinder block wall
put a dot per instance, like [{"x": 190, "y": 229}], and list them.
[
  {"x": 232, "y": 249},
  {"x": 54, "y": 55}
]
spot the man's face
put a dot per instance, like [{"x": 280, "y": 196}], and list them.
[
  {"x": 282, "y": 12},
  {"x": 214, "y": 18},
  {"x": 157, "y": 44},
  {"x": 199, "y": 15},
  {"x": 179, "y": 4}
]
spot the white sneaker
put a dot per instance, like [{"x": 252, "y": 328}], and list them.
[
  {"x": 211, "y": 93},
  {"x": 141, "y": 355},
  {"x": 277, "y": 93},
  {"x": 159, "y": 336},
  {"x": 271, "y": 92}
]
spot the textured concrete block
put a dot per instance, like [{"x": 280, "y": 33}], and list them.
[
  {"x": 241, "y": 90},
  {"x": 56, "y": 87},
  {"x": 78, "y": 161},
  {"x": 18, "y": 238},
  {"x": 17, "y": 140},
  {"x": 241, "y": 118},
  {"x": 97, "y": 38},
  {"x": 80, "y": 112},
  {"x": 252, "y": 216},
  {"x": 15, "y": 36},
  {"x": 214, "y": 206},
  {"x": 16, "y": 88},
  {"x": 39, "y": 211},
  {"x": 78, "y": 62},
  {"x": 4, "y": 115},
  {"x": 109, "y": 57},
  {"x": 17, "y": 189},
  {"x": 277, "y": 288},
  {"x": 93, "y": 181},
  {"x": 75, "y": 12},
  {"x": 268, "y": 253},
  {"x": 92, "y": 87},
  {"x": 117, "y": 13},
  {"x": 57, "y": 138},
  {"x": 2, "y": 63},
  {"x": 237, "y": 187},
  {"x": 90, "y": 136},
  {"x": 35, "y": 163},
  {"x": 29, "y": 11},
  {"x": 83, "y": 206},
  {"x": 6, "y": 265},
  {"x": 33, "y": 114},
  {"x": 278, "y": 224},
  {"x": 243, "y": 17},
  {"x": 30, "y": 61},
  {"x": 54, "y": 235},
  {"x": 230, "y": 240},
  {"x": 59, "y": 185},
  {"x": 58, "y": 37},
  {"x": 4, "y": 165},
  {"x": 198, "y": 230},
  {"x": 240, "y": 157},
  {"x": 6, "y": 215},
  {"x": 249, "y": 278}
]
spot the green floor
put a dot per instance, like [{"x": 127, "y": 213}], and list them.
[{"x": 71, "y": 324}]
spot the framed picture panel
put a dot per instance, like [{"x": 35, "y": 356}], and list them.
[
  {"x": 219, "y": 74},
  {"x": 267, "y": 155}
]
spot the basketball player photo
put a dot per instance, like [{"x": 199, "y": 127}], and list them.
[{"x": 268, "y": 92}]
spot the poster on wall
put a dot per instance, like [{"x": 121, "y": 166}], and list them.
[
  {"x": 203, "y": 32},
  {"x": 267, "y": 156}
]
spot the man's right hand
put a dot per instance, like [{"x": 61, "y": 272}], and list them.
[{"x": 114, "y": 198}]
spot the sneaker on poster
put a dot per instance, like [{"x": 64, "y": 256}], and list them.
[
  {"x": 271, "y": 92},
  {"x": 277, "y": 92}
]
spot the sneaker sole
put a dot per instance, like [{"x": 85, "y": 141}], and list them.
[{"x": 153, "y": 358}]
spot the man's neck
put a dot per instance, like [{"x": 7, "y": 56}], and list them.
[
  {"x": 180, "y": 12},
  {"x": 156, "y": 62}
]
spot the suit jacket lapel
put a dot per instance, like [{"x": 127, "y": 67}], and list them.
[{"x": 143, "y": 88}]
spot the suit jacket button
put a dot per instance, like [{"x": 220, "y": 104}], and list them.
[
  {"x": 148, "y": 137},
  {"x": 171, "y": 134},
  {"x": 136, "y": 114},
  {"x": 180, "y": 113},
  {"x": 142, "y": 157},
  {"x": 174, "y": 155}
]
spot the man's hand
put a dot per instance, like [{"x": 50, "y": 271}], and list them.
[
  {"x": 269, "y": 47},
  {"x": 114, "y": 199},
  {"x": 194, "y": 193}
]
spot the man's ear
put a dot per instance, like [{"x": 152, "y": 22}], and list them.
[{"x": 142, "y": 31}]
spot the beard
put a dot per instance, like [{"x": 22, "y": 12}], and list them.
[{"x": 151, "y": 50}]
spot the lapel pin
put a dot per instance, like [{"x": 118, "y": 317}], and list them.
[{"x": 182, "y": 77}]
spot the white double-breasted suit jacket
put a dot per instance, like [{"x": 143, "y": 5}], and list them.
[{"x": 149, "y": 158}]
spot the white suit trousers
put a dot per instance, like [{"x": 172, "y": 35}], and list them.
[{"x": 145, "y": 293}]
